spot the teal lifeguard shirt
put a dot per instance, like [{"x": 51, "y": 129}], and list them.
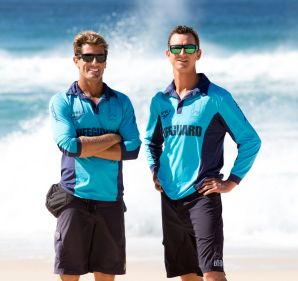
[
  {"x": 184, "y": 138},
  {"x": 74, "y": 115}
]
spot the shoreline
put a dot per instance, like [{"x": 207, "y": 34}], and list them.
[{"x": 237, "y": 269}]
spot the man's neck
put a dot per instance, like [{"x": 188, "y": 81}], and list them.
[
  {"x": 91, "y": 89},
  {"x": 185, "y": 82}
]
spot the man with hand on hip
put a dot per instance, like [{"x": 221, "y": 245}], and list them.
[{"x": 184, "y": 147}]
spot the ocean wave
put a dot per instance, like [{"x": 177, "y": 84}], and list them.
[
  {"x": 261, "y": 211},
  {"x": 32, "y": 159},
  {"x": 272, "y": 71}
]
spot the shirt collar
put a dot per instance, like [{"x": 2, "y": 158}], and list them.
[
  {"x": 76, "y": 90},
  {"x": 201, "y": 88}
]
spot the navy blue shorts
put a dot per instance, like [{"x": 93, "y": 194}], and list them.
[
  {"x": 192, "y": 234},
  {"x": 90, "y": 237}
]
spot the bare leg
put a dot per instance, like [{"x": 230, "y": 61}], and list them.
[
  {"x": 191, "y": 277},
  {"x": 69, "y": 277},
  {"x": 215, "y": 276},
  {"x": 98, "y": 276}
]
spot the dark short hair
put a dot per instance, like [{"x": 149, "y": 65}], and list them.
[
  {"x": 183, "y": 29},
  {"x": 88, "y": 37}
]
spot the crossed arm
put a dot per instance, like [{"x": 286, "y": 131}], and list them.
[
  {"x": 106, "y": 146},
  {"x": 123, "y": 145}
]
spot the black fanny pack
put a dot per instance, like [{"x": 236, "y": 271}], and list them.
[{"x": 57, "y": 199}]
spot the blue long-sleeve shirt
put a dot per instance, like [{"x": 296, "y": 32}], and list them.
[
  {"x": 184, "y": 138},
  {"x": 74, "y": 115}
]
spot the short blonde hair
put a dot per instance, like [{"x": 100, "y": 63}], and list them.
[{"x": 88, "y": 37}]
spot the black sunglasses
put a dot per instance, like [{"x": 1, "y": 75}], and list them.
[
  {"x": 189, "y": 49},
  {"x": 100, "y": 58}
]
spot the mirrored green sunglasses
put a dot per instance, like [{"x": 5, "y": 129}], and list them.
[{"x": 188, "y": 49}]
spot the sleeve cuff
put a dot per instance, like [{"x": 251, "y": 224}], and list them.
[
  {"x": 234, "y": 178},
  {"x": 129, "y": 155},
  {"x": 154, "y": 168},
  {"x": 79, "y": 146}
]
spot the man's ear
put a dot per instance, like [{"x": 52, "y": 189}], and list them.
[
  {"x": 168, "y": 53},
  {"x": 76, "y": 61},
  {"x": 199, "y": 53}
]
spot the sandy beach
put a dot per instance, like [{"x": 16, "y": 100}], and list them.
[{"x": 278, "y": 269}]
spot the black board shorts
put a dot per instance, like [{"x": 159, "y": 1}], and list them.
[
  {"x": 90, "y": 237},
  {"x": 192, "y": 234}
]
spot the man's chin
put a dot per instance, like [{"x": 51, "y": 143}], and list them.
[
  {"x": 182, "y": 69},
  {"x": 94, "y": 77}
]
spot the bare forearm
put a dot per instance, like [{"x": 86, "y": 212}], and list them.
[
  {"x": 229, "y": 185},
  {"x": 112, "y": 153},
  {"x": 92, "y": 146}
]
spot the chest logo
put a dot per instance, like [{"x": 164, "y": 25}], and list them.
[{"x": 164, "y": 114}]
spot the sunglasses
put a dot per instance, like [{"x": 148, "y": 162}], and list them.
[
  {"x": 100, "y": 58},
  {"x": 189, "y": 49}
]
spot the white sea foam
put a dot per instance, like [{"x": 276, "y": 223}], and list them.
[
  {"x": 261, "y": 211},
  {"x": 272, "y": 71}
]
